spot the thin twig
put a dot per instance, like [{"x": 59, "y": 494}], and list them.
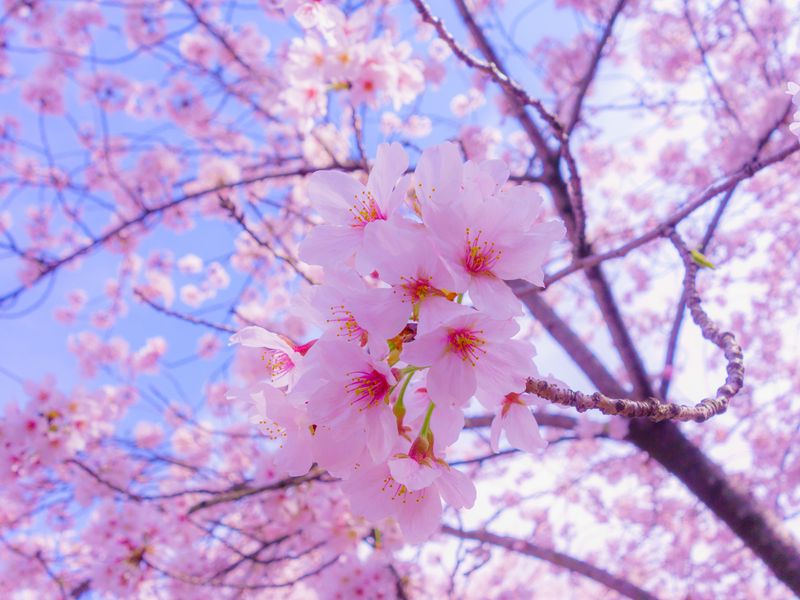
[{"x": 182, "y": 316}]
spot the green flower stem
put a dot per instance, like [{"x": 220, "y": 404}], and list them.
[
  {"x": 409, "y": 374},
  {"x": 426, "y": 424}
]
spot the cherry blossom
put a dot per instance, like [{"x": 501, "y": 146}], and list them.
[{"x": 399, "y": 225}]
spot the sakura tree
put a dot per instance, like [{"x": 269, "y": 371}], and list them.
[{"x": 387, "y": 299}]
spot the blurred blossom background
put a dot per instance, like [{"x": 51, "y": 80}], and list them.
[{"x": 154, "y": 166}]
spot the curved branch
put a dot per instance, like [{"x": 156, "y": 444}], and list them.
[
  {"x": 619, "y": 585},
  {"x": 653, "y": 408},
  {"x": 758, "y": 528}
]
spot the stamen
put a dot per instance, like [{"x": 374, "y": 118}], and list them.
[
  {"x": 367, "y": 388},
  {"x": 365, "y": 210},
  {"x": 418, "y": 288},
  {"x": 401, "y": 492},
  {"x": 480, "y": 257},
  {"x": 273, "y": 430},
  {"x": 348, "y": 327},
  {"x": 467, "y": 344},
  {"x": 276, "y": 362}
]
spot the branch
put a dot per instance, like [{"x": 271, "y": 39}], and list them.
[
  {"x": 653, "y": 408},
  {"x": 494, "y": 69},
  {"x": 672, "y": 343},
  {"x": 202, "y": 582},
  {"x": 238, "y": 216},
  {"x": 621, "y": 586},
  {"x": 542, "y": 418},
  {"x": 759, "y": 529},
  {"x": 745, "y": 172},
  {"x": 592, "y": 70},
  {"x": 569, "y": 200},
  {"x": 182, "y": 316},
  {"x": 704, "y": 57},
  {"x": 50, "y": 267},
  {"x": 238, "y": 493}
]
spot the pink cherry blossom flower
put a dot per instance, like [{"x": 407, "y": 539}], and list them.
[
  {"x": 285, "y": 424},
  {"x": 490, "y": 239},
  {"x": 208, "y": 345},
  {"x": 190, "y": 263},
  {"x": 405, "y": 258},
  {"x": 375, "y": 494},
  {"x": 349, "y": 309},
  {"x": 469, "y": 350},
  {"x": 516, "y": 419},
  {"x": 148, "y": 435},
  {"x": 146, "y": 359},
  {"x": 281, "y": 358},
  {"x": 348, "y": 392},
  {"x": 351, "y": 209}
]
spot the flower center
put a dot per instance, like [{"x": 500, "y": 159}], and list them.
[
  {"x": 418, "y": 288},
  {"x": 277, "y": 363},
  {"x": 367, "y": 388},
  {"x": 480, "y": 256},
  {"x": 273, "y": 430},
  {"x": 509, "y": 401},
  {"x": 348, "y": 327},
  {"x": 467, "y": 344},
  {"x": 365, "y": 210},
  {"x": 401, "y": 492}
]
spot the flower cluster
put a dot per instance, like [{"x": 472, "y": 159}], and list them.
[
  {"x": 340, "y": 53},
  {"x": 416, "y": 322}
]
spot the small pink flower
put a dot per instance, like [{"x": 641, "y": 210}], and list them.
[
  {"x": 348, "y": 392},
  {"x": 375, "y": 494},
  {"x": 406, "y": 259},
  {"x": 285, "y": 424},
  {"x": 351, "y": 310},
  {"x": 516, "y": 419},
  {"x": 148, "y": 435},
  {"x": 484, "y": 234},
  {"x": 468, "y": 350},
  {"x": 351, "y": 209},
  {"x": 281, "y": 358}
]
